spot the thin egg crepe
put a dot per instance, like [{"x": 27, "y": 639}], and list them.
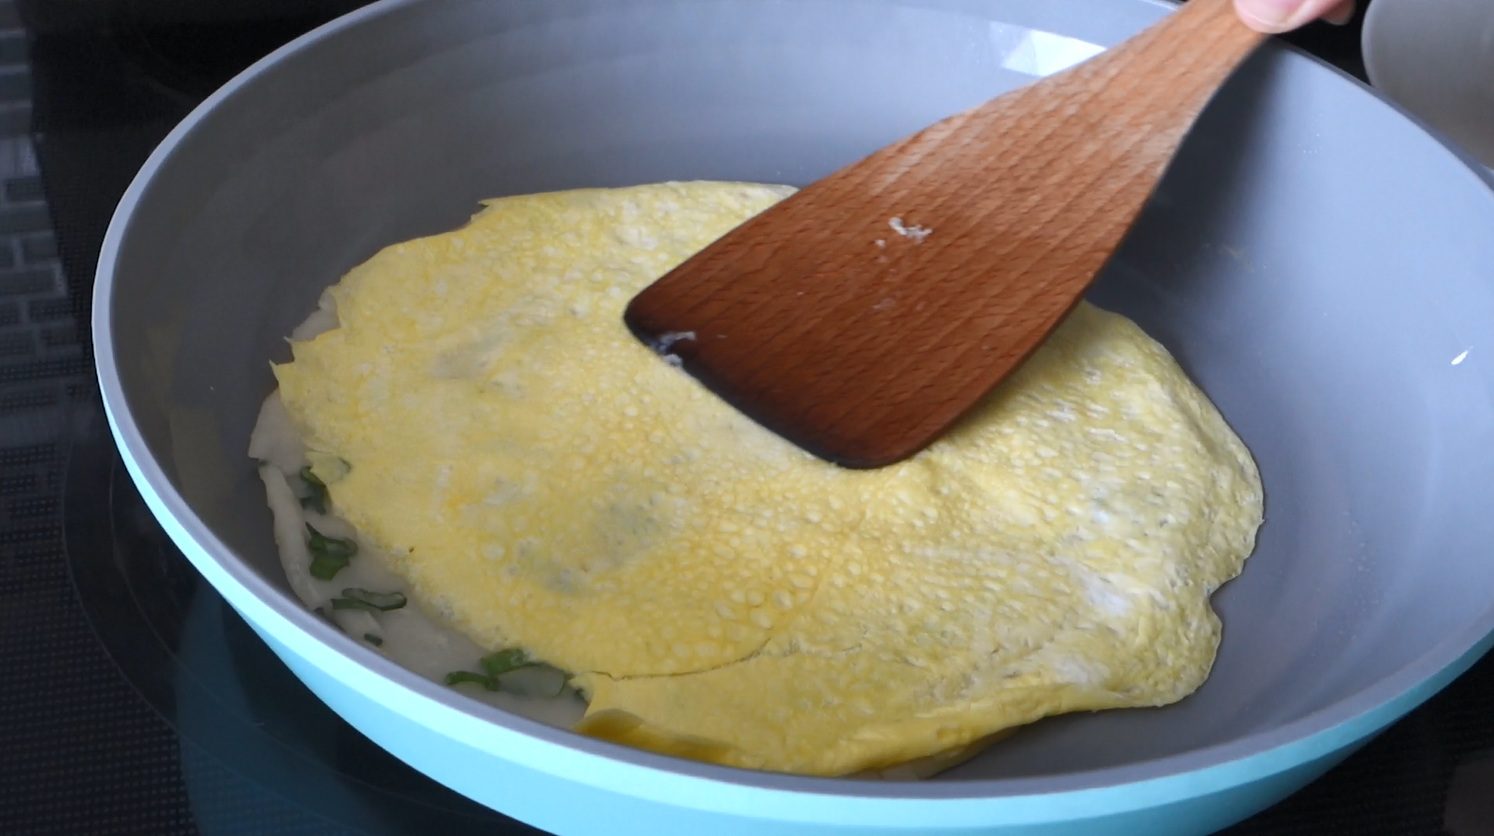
[{"x": 543, "y": 481}]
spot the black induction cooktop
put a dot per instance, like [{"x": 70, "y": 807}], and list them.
[{"x": 132, "y": 700}]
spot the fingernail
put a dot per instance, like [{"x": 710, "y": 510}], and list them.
[
  {"x": 1270, "y": 14},
  {"x": 1341, "y": 16}
]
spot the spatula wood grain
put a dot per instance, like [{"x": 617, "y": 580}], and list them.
[{"x": 863, "y": 316}]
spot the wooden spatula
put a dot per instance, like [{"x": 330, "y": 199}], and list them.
[{"x": 864, "y": 315}]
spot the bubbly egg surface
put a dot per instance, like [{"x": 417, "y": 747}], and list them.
[{"x": 542, "y": 480}]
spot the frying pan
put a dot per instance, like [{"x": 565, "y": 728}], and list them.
[{"x": 1315, "y": 260}]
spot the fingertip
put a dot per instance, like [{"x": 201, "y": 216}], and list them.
[
  {"x": 1276, "y": 16},
  {"x": 1341, "y": 14},
  {"x": 1250, "y": 14}
]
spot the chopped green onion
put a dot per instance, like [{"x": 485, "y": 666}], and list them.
[
  {"x": 361, "y": 599},
  {"x": 458, "y": 677},
  {"x": 329, "y": 555},
  {"x": 317, "y": 500},
  {"x": 493, "y": 666},
  {"x": 368, "y": 637},
  {"x": 497, "y": 664},
  {"x": 354, "y": 604},
  {"x": 325, "y": 568},
  {"x": 330, "y": 546}
]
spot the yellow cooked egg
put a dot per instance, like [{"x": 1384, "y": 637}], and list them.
[{"x": 544, "y": 481}]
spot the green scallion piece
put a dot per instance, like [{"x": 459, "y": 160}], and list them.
[
  {"x": 372, "y": 639},
  {"x": 325, "y": 568},
  {"x": 354, "y": 604},
  {"x": 330, "y": 546},
  {"x": 329, "y": 555},
  {"x": 361, "y": 599},
  {"x": 317, "y": 499},
  {"x": 497, "y": 664},
  {"x": 458, "y": 677}
]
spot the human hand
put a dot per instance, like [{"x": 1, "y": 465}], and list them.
[{"x": 1283, "y": 15}]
